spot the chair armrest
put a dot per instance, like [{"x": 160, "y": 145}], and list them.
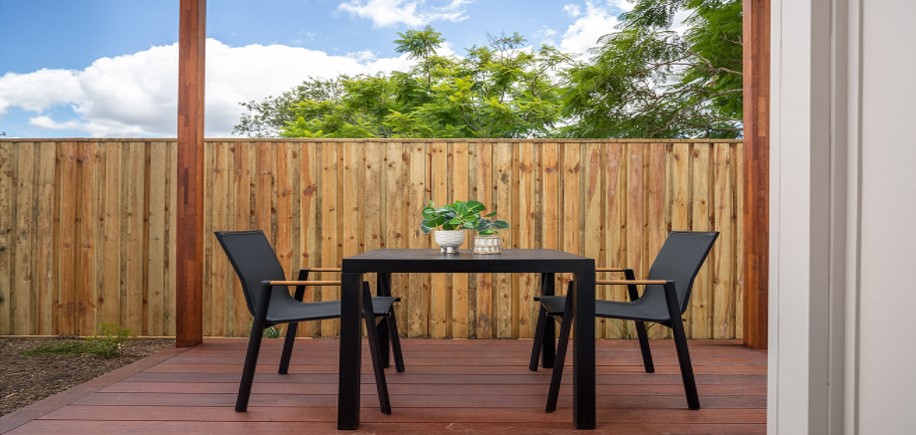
[
  {"x": 611, "y": 269},
  {"x": 304, "y": 283},
  {"x": 322, "y": 269},
  {"x": 631, "y": 282}
]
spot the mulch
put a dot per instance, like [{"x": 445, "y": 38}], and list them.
[{"x": 28, "y": 379}]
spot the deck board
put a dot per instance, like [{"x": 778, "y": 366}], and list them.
[{"x": 478, "y": 386}]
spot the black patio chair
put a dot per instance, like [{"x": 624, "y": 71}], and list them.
[
  {"x": 666, "y": 295},
  {"x": 269, "y": 301}
]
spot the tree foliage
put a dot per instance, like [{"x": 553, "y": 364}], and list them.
[
  {"x": 644, "y": 80},
  {"x": 269, "y": 117},
  {"x": 647, "y": 80},
  {"x": 497, "y": 90}
]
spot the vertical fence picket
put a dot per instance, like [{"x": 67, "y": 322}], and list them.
[
  {"x": 440, "y": 293},
  {"x": 523, "y": 230},
  {"x": 22, "y": 301},
  {"x": 45, "y": 279},
  {"x": 458, "y": 156},
  {"x": 485, "y": 310},
  {"x": 8, "y": 193},
  {"x": 505, "y": 304},
  {"x": 329, "y": 224},
  {"x": 701, "y": 297},
  {"x": 395, "y": 224},
  {"x": 67, "y": 252}
]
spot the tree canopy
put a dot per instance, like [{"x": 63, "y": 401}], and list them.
[
  {"x": 643, "y": 80},
  {"x": 648, "y": 80}
]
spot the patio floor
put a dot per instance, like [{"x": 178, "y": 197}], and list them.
[{"x": 451, "y": 386}]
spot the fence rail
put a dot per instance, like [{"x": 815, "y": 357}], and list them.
[{"x": 87, "y": 227}]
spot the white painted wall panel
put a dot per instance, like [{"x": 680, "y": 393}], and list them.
[{"x": 887, "y": 349}]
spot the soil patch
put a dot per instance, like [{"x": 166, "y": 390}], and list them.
[{"x": 28, "y": 379}]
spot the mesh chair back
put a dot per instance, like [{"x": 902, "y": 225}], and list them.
[
  {"x": 254, "y": 261},
  {"x": 680, "y": 260}
]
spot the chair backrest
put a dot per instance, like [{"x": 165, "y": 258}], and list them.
[
  {"x": 680, "y": 260},
  {"x": 254, "y": 261}
]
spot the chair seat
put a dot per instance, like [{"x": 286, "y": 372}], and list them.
[
  {"x": 640, "y": 310},
  {"x": 293, "y": 310}
]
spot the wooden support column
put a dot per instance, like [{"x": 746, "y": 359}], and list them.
[
  {"x": 756, "y": 169},
  {"x": 190, "y": 213}
]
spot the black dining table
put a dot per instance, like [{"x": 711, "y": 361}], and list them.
[{"x": 546, "y": 262}]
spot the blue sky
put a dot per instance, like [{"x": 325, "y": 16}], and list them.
[{"x": 108, "y": 68}]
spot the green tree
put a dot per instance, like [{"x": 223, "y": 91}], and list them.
[
  {"x": 269, "y": 117},
  {"x": 647, "y": 80},
  {"x": 421, "y": 45},
  {"x": 358, "y": 111},
  {"x": 498, "y": 90}
]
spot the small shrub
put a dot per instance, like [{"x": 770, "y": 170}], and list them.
[
  {"x": 107, "y": 344},
  {"x": 273, "y": 332},
  {"x": 67, "y": 347}
]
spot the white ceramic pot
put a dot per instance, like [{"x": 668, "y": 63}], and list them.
[
  {"x": 449, "y": 241},
  {"x": 487, "y": 244}
]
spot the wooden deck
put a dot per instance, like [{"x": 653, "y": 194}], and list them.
[{"x": 451, "y": 386}]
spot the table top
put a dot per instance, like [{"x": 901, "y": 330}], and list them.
[{"x": 433, "y": 261}]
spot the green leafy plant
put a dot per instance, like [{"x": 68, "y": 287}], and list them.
[
  {"x": 458, "y": 215},
  {"x": 273, "y": 332},
  {"x": 490, "y": 227},
  {"x": 109, "y": 341}
]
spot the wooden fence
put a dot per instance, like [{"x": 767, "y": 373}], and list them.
[{"x": 87, "y": 227}]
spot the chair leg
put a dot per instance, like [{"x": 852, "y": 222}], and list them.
[
  {"x": 383, "y": 328},
  {"x": 680, "y": 342},
  {"x": 538, "y": 339},
  {"x": 644, "y": 347},
  {"x": 683, "y": 358},
  {"x": 251, "y": 356},
  {"x": 395, "y": 341},
  {"x": 563, "y": 343},
  {"x": 288, "y": 347},
  {"x": 293, "y": 327},
  {"x": 377, "y": 366},
  {"x": 549, "y": 342},
  {"x": 383, "y": 288}
]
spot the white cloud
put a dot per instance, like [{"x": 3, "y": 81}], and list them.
[
  {"x": 46, "y": 122},
  {"x": 599, "y": 19},
  {"x": 623, "y": 5},
  {"x": 413, "y": 13},
  {"x": 39, "y": 90},
  {"x": 137, "y": 94},
  {"x": 594, "y": 23},
  {"x": 572, "y": 10}
]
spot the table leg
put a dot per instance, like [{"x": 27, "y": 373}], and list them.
[
  {"x": 383, "y": 288},
  {"x": 584, "y": 351},
  {"x": 351, "y": 299},
  {"x": 549, "y": 346}
]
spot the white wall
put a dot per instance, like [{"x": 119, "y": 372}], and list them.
[
  {"x": 843, "y": 179},
  {"x": 887, "y": 351}
]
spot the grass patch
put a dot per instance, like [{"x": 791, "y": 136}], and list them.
[{"x": 106, "y": 345}]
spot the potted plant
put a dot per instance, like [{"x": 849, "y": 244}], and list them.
[
  {"x": 488, "y": 240},
  {"x": 453, "y": 219}
]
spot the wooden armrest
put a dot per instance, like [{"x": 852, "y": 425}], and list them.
[
  {"x": 611, "y": 269},
  {"x": 322, "y": 269},
  {"x": 629, "y": 282},
  {"x": 308, "y": 283}
]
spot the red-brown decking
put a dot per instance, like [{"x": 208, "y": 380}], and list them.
[{"x": 451, "y": 386}]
